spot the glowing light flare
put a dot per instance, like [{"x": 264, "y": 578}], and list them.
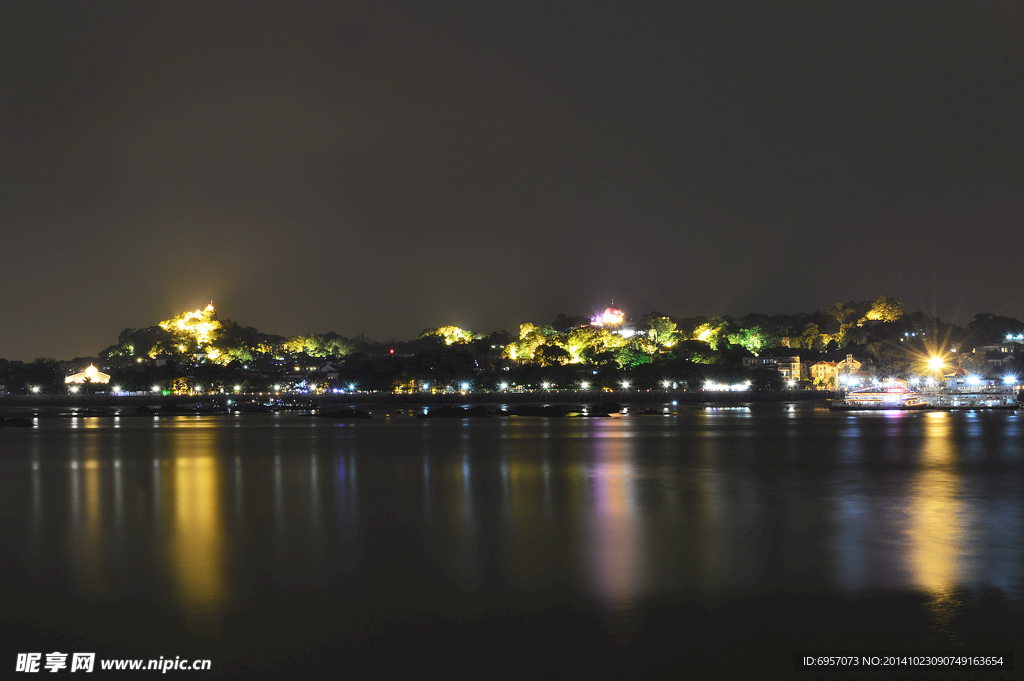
[
  {"x": 610, "y": 317},
  {"x": 736, "y": 387}
]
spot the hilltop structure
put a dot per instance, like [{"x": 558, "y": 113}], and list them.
[
  {"x": 90, "y": 375},
  {"x": 612, "y": 316}
]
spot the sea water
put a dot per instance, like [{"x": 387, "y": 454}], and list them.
[{"x": 709, "y": 541}]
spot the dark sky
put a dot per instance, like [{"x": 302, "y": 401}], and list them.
[{"x": 383, "y": 167}]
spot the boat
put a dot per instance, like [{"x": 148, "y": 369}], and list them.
[
  {"x": 896, "y": 397},
  {"x": 971, "y": 401}
]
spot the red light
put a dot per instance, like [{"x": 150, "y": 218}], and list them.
[{"x": 392, "y": 351}]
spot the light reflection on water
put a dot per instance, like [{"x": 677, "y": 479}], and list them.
[{"x": 213, "y": 516}]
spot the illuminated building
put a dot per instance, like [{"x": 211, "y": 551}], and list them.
[
  {"x": 91, "y": 374},
  {"x": 788, "y": 366},
  {"x": 611, "y": 316},
  {"x": 825, "y": 373}
]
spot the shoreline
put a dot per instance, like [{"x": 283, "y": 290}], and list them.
[{"x": 157, "y": 405}]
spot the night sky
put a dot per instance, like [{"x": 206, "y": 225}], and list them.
[{"x": 383, "y": 167}]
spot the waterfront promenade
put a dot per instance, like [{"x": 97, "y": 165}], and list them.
[{"x": 27, "y": 402}]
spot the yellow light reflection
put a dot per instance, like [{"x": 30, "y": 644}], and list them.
[
  {"x": 87, "y": 510},
  {"x": 524, "y": 493},
  {"x": 936, "y": 531},
  {"x": 196, "y": 540}
]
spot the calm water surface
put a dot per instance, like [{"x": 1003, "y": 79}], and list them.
[{"x": 714, "y": 542}]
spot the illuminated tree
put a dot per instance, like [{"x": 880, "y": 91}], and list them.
[
  {"x": 551, "y": 355},
  {"x": 886, "y": 309},
  {"x": 629, "y": 357},
  {"x": 531, "y": 337},
  {"x": 661, "y": 330},
  {"x": 713, "y": 332},
  {"x": 200, "y": 325},
  {"x": 753, "y": 339},
  {"x": 450, "y": 335},
  {"x": 812, "y": 337},
  {"x": 191, "y": 333},
  {"x": 181, "y": 385}
]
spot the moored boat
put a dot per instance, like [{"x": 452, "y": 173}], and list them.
[{"x": 893, "y": 397}]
